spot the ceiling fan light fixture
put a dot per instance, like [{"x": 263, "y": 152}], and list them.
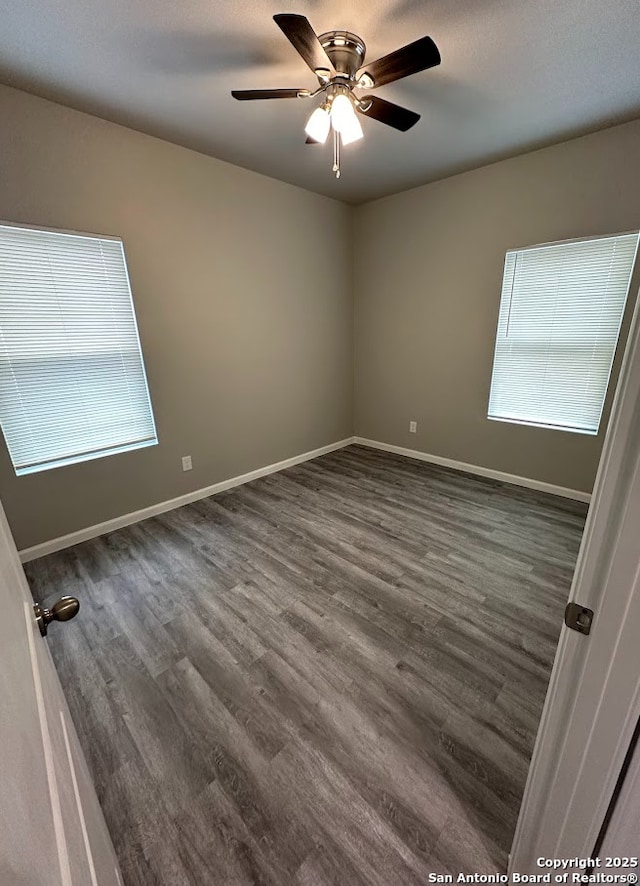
[
  {"x": 352, "y": 132},
  {"x": 341, "y": 112},
  {"x": 344, "y": 119},
  {"x": 318, "y": 125}
]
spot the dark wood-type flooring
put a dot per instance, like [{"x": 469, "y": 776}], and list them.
[{"x": 331, "y": 675}]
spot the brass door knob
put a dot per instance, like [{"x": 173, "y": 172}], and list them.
[{"x": 63, "y": 610}]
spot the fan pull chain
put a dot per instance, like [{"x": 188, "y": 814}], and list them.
[{"x": 336, "y": 153}]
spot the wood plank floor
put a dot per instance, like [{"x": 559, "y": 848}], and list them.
[{"x": 331, "y": 675}]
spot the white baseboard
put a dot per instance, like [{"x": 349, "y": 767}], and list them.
[
  {"x": 527, "y": 482},
  {"x": 74, "y": 538}
]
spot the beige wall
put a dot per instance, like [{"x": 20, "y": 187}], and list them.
[
  {"x": 428, "y": 271},
  {"x": 246, "y": 328}
]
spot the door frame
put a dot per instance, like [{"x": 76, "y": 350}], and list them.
[{"x": 593, "y": 700}]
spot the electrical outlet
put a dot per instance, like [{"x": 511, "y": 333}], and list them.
[
  {"x": 413, "y": 427},
  {"x": 186, "y": 463}
]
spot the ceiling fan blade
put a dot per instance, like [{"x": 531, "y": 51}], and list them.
[
  {"x": 249, "y": 95},
  {"x": 387, "y": 112},
  {"x": 410, "y": 59},
  {"x": 303, "y": 38}
]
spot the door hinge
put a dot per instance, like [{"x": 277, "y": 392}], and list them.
[{"x": 578, "y": 617}]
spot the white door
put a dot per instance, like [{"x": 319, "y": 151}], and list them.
[
  {"x": 593, "y": 702},
  {"x": 52, "y": 832}
]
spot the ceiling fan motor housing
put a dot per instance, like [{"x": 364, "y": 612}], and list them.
[{"x": 346, "y": 52}]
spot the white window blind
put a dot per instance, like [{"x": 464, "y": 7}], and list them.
[
  {"x": 72, "y": 379},
  {"x": 560, "y": 316}
]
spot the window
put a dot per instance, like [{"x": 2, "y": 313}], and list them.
[
  {"x": 560, "y": 316},
  {"x": 72, "y": 380}
]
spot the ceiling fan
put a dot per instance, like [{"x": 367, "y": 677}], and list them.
[{"x": 337, "y": 60}]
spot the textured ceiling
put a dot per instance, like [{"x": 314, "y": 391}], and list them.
[{"x": 515, "y": 74}]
